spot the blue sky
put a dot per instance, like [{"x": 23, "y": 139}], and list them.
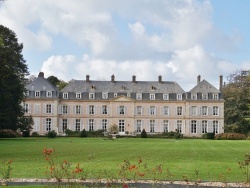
[{"x": 178, "y": 39}]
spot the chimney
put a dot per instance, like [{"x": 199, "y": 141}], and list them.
[
  {"x": 160, "y": 79},
  {"x": 198, "y": 79},
  {"x": 221, "y": 82},
  {"x": 41, "y": 74},
  {"x": 112, "y": 79},
  {"x": 133, "y": 79},
  {"x": 87, "y": 78}
]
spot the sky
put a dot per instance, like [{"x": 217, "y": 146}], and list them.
[{"x": 177, "y": 39}]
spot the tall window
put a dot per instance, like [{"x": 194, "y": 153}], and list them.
[
  {"x": 49, "y": 94},
  {"x": 215, "y": 96},
  {"x": 152, "y": 126},
  {"x": 193, "y": 126},
  {"x": 64, "y": 109},
  {"x": 104, "y": 109},
  {"x": 91, "y": 96},
  {"x": 48, "y": 124},
  {"x": 121, "y": 125},
  {"x": 91, "y": 124},
  {"x": 215, "y": 127},
  {"x": 179, "y": 126},
  {"x": 121, "y": 109},
  {"x": 27, "y": 108},
  {"x": 48, "y": 109},
  {"x": 193, "y": 110},
  {"x": 152, "y": 96},
  {"x": 37, "y": 108},
  {"x": 78, "y": 125},
  {"x": 204, "y": 126},
  {"x": 152, "y": 110},
  {"x": 215, "y": 110},
  {"x": 165, "y": 125},
  {"x": 78, "y": 109},
  {"x": 65, "y": 95},
  {"x": 166, "y": 110},
  {"x": 179, "y": 96},
  {"x": 64, "y": 124},
  {"x": 78, "y": 95},
  {"x": 204, "y": 110},
  {"x": 37, "y": 94},
  {"x": 104, "y": 124},
  {"x": 138, "y": 110},
  {"x": 91, "y": 109},
  {"x": 179, "y": 110},
  {"x": 138, "y": 126}
]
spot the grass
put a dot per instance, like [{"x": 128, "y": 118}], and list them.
[{"x": 214, "y": 160}]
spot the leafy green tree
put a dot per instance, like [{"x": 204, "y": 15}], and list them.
[
  {"x": 56, "y": 82},
  {"x": 12, "y": 80}
]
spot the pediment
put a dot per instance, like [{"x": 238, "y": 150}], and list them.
[{"x": 122, "y": 99}]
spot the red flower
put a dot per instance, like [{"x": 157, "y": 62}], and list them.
[
  {"x": 132, "y": 167},
  {"x": 140, "y": 161},
  {"x": 125, "y": 185},
  {"x": 141, "y": 174}
]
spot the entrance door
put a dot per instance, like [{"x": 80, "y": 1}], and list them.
[{"x": 122, "y": 126}]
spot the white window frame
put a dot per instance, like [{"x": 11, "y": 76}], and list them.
[
  {"x": 179, "y": 96},
  {"x": 104, "y": 109},
  {"x": 215, "y": 96},
  {"x": 215, "y": 110},
  {"x": 152, "y": 110},
  {"x": 104, "y": 95},
  {"x": 138, "y": 110},
  {"x": 91, "y": 109},
  {"x": 193, "y": 127},
  {"x": 37, "y": 94},
  {"x": 27, "y": 108},
  {"x": 165, "y": 97},
  {"x": 49, "y": 94},
  {"x": 91, "y": 124},
  {"x": 216, "y": 126},
  {"x": 179, "y": 126},
  {"x": 204, "y": 96},
  {"x": 77, "y": 124},
  {"x": 104, "y": 124},
  {"x": 204, "y": 110},
  {"x": 179, "y": 111},
  {"x": 65, "y": 109},
  {"x": 128, "y": 95},
  {"x": 152, "y": 96},
  {"x": 165, "y": 110},
  {"x": 152, "y": 125},
  {"x": 204, "y": 126},
  {"x": 139, "y": 96},
  {"x": 193, "y": 96},
  {"x": 193, "y": 110},
  {"x": 64, "y": 124},
  {"x": 48, "y": 124},
  {"x": 138, "y": 126},
  {"x": 91, "y": 95},
  {"x": 121, "y": 110},
  {"x": 78, "y": 109},
  {"x": 115, "y": 95},
  {"x": 165, "y": 124},
  {"x": 48, "y": 108},
  {"x": 65, "y": 95},
  {"x": 78, "y": 95}
]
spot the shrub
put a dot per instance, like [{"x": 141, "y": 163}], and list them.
[
  {"x": 168, "y": 134},
  {"x": 52, "y": 134},
  {"x": 177, "y": 135},
  {"x": 96, "y": 133},
  {"x": 34, "y": 134},
  {"x": 83, "y": 133},
  {"x": 230, "y": 136},
  {"x": 7, "y": 133},
  {"x": 144, "y": 134},
  {"x": 208, "y": 135},
  {"x": 25, "y": 133},
  {"x": 68, "y": 132}
]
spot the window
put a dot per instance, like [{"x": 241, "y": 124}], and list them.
[
  {"x": 193, "y": 126},
  {"x": 91, "y": 96},
  {"x": 215, "y": 96},
  {"x": 138, "y": 110},
  {"x": 77, "y": 125},
  {"x": 48, "y": 109},
  {"x": 91, "y": 124},
  {"x": 105, "y": 95},
  {"x": 179, "y": 96},
  {"x": 128, "y": 94},
  {"x": 65, "y": 95},
  {"x": 193, "y": 96},
  {"x": 193, "y": 110},
  {"x": 104, "y": 109},
  {"x": 165, "y": 110},
  {"x": 78, "y": 95},
  {"x": 91, "y": 109},
  {"x": 152, "y": 126},
  {"x": 121, "y": 125},
  {"x": 179, "y": 126},
  {"x": 78, "y": 109},
  {"x": 152, "y": 96},
  {"x": 37, "y": 94},
  {"x": 204, "y": 126},
  {"x": 215, "y": 110},
  {"x": 204, "y": 110},
  {"x": 104, "y": 124},
  {"x": 37, "y": 108},
  {"x": 204, "y": 96},
  {"x": 152, "y": 110},
  {"x": 179, "y": 110},
  {"x": 48, "y": 124},
  {"x": 49, "y": 94},
  {"x": 64, "y": 125},
  {"x": 139, "y": 96},
  {"x": 115, "y": 94},
  {"x": 138, "y": 126},
  {"x": 64, "y": 109},
  {"x": 165, "y": 125},
  {"x": 165, "y": 97},
  {"x": 215, "y": 127},
  {"x": 27, "y": 108},
  {"x": 121, "y": 109}
]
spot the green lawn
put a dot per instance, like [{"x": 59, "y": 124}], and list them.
[{"x": 212, "y": 158}]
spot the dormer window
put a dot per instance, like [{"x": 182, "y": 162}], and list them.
[
  {"x": 215, "y": 96},
  {"x": 128, "y": 94},
  {"x": 153, "y": 88},
  {"x": 92, "y": 87},
  {"x": 139, "y": 96},
  {"x": 105, "y": 95},
  {"x": 204, "y": 96},
  {"x": 65, "y": 95},
  {"x": 152, "y": 96},
  {"x": 37, "y": 94},
  {"x": 123, "y": 88},
  {"x": 165, "y": 96},
  {"x": 179, "y": 96},
  {"x": 49, "y": 94},
  {"x": 115, "y": 94},
  {"x": 78, "y": 95},
  {"x": 91, "y": 96},
  {"x": 193, "y": 96}
]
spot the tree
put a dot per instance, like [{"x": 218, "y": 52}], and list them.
[
  {"x": 56, "y": 82},
  {"x": 12, "y": 80}
]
